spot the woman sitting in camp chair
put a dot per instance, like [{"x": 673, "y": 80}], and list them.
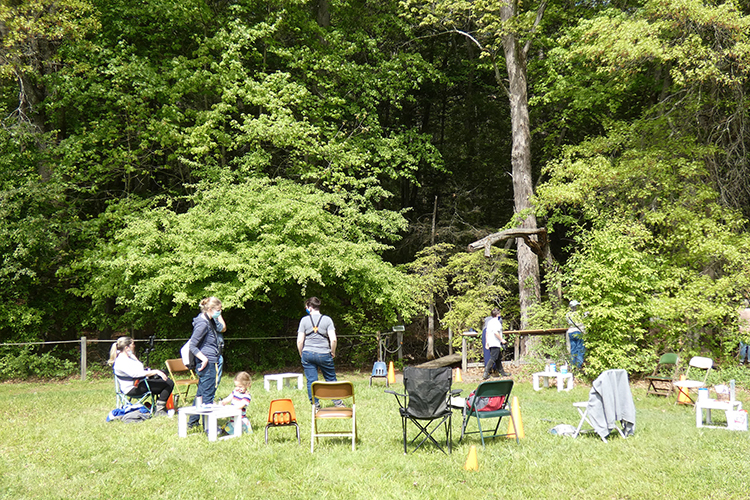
[{"x": 131, "y": 373}]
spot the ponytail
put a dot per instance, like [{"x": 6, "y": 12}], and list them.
[{"x": 117, "y": 348}]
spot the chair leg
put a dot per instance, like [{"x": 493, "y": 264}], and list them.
[
  {"x": 463, "y": 427},
  {"x": 449, "y": 433},
  {"x": 428, "y": 434},
  {"x": 479, "y": 425},
  {"x": 403, "y": 425},
  {"x": 583, "y": 419},
  {"x": 313, "y": 431},
  {"x": 498, "y": 424}
]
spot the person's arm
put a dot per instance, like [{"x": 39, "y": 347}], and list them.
[
  {"x": 300, "y": 341},
  {"x": 226, "y": 400},
  {"x": 199, "y": 331},
  {"x": 157, "y": 373},
  {"x": 334, "y": 342},
  {"x": 222, "y": 324}
]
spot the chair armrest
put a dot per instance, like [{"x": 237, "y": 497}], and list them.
[{"x": 401, "y": 403}]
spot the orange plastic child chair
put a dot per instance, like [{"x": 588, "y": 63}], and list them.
[{"x": 281, "y": 414}]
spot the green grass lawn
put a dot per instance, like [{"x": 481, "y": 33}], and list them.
[{"x": 55, "y": 443}]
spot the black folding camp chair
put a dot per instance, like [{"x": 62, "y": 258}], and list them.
[{"x": 426, "y": 404}]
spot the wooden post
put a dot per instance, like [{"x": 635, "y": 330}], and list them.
[
  {"x": 464, "y": 362},
  {"x": 83, "y": 358},
  {"x": 450, "y": 341},
  {"x": 400, "y": 337}
]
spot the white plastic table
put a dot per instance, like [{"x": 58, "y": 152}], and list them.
[
  {"x": 211, "y": 414},
  {"x": 561, "y": 378},
  {"x": 713, "y": 404},
  {"x": 279, "y": 378}
]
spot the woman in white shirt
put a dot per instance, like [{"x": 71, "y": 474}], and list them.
[{"x": 130, "y": 373}]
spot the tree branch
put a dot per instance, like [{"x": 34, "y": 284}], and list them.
[
  {"x": 538, "y": 247},
  {"x": 537, "y": 21},
  {"x": 498, "y": 76}
]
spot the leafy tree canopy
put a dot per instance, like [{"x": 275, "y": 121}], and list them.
[
  {"x": 254, "y": 241},
  {"x": 470, "y": 285}
]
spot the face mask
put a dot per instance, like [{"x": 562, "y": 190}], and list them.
[{"x": 216, "y": 314}]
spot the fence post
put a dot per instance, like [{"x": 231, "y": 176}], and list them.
[
  {"x": 450, "y": 341},
  {"x": 83, "y": 358},
  {"x": 400, "y": 337},
  {"x": 464, "y": 359}
]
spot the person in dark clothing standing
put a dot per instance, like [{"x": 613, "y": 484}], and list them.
[{"x": 204, "y": 344}]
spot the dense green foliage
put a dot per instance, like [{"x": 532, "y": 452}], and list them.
[
  {"x": 258, "y": 241},
  {"x": 152, "y": 153},
  {"x": 660, "y": 253},
  {"x": 469, "y": 285}
]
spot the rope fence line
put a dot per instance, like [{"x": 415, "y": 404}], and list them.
[
  {"x": 85, "y": 341},
  {"x": 226, "y": 339}
]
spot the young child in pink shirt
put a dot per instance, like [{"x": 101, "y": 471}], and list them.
[{"x": 240, "y": 397}]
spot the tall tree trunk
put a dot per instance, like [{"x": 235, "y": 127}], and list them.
[
  {"x": 323, "y": 14},
  {"x": 431, "y": 316},
  {"x": 528, "y": 263}
]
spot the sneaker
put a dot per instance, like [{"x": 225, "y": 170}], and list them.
[{"x": 339, "y": 404}]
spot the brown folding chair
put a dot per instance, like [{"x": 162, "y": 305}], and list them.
[
  {"x": 176, "y": 367},
  {"x": 333, "y": 391}
]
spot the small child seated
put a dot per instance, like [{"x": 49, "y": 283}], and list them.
[{"x": 240, "y": 397}]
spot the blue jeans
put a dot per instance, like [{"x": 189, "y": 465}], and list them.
[
  {"x": 311, "y": 361},
  {"x": 744, "y": 352},
  {"x": 577, "y": 349},
  {"x": 206, "y": 387}
]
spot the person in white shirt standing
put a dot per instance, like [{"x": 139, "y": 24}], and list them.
[{"x": 495, "y": 342}]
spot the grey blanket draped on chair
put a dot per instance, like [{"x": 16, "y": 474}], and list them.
[{"x": 610, "y": 401}]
